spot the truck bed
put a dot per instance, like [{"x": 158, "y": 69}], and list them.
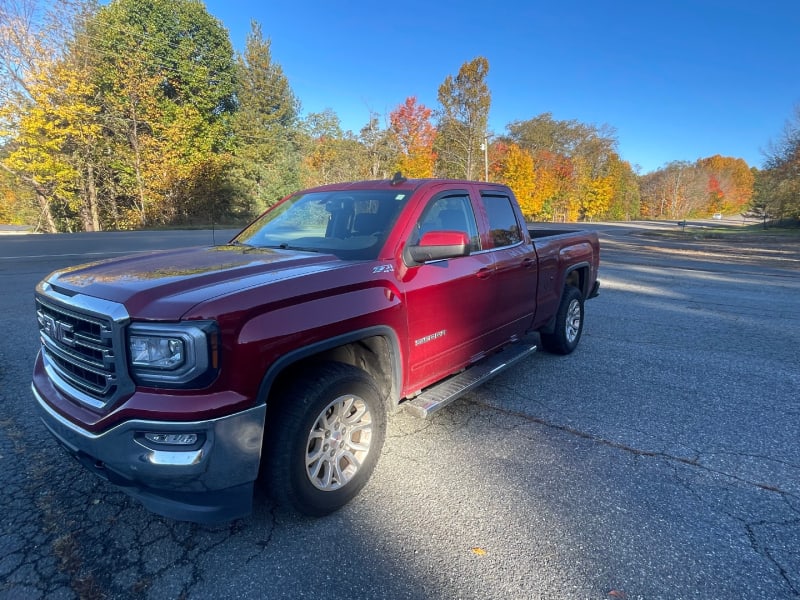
[{"x": 536, "y": 233}]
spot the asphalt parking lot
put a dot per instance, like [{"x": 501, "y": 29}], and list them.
[{"x": 660, "y": 460}]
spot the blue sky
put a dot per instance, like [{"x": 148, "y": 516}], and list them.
[{"x": 678, "y": 80}]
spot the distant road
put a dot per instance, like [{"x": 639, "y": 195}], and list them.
[{"x": 106, "y": 243}]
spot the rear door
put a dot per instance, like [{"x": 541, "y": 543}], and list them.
[{"x": 516, "y": 277}]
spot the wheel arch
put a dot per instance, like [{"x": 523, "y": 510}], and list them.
[
  {"x": 577, "y": 276},
  {"x": 375, "y": 350}
]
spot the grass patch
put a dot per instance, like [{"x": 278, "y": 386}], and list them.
[{"x": 747, "y": 233}]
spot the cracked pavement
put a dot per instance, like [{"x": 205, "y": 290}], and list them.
[{"x": 660, "y": 460}]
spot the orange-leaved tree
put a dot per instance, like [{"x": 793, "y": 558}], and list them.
[
  {"x": 730, "y": 183},
  {"x": 414, "y": 135}
]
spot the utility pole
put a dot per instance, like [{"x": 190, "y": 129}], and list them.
[{"x": 485, "y": 148}]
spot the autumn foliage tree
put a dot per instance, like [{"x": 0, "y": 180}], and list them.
[
  {"x": 778, "y": 184},
  {"x": 577, "y": 171},
  {"x": 516, "y": 170},
  {"x": 626, "y": 200},
  {"x": 46, "y": 112},
  {"x": 715, "y": 193},
  {"x": 330, "y": 154},
  {"x": 730, "y": 183},
  {"x": 380, "y": 149},
  {"x": 594, "y": 193},
  {"x": 17, "y": 206},
  {"x": 414, "y": 135},
  {"x": 673, "y": 191},
  {"x": 462, "y": 120},
  {"x": 683, "y": 189},
  {"x": 52, "y": 136},
  {"x": 540, "y": 180},
  {"x": 164, "y": 72}
]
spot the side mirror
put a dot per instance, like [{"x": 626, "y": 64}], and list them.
[{"x": 438, "y": 245}]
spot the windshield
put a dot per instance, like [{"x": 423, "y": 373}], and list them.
[{"x": 350, "y": 224}]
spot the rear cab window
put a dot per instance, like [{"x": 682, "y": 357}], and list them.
[{"x": 504, "y": 228}]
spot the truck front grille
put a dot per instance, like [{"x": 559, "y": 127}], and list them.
[{"x": 82, "y": 351}]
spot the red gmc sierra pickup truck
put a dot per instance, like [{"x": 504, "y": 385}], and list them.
[{"x": 186, "y": 377}]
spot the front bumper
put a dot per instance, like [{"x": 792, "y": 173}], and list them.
[{"x": 207, "y": 482}]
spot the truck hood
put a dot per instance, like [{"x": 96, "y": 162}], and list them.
[{"x": 166, "y": 284}]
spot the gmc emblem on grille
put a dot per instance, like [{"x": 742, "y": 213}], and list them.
[{"x": 58, "y": 330}]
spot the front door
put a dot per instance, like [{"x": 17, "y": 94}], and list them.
[{"x": 447, "y": 301}]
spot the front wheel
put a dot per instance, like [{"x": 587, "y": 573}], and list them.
[
  {"x": 568, "y": 324},
  {"x": 324, "y": 436}
]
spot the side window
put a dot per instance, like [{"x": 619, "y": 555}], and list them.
[
  {"x": 503, "y": 226},
  {"x": 449, "y": 213}
]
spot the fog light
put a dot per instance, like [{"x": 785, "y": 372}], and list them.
[{"x": 172, "y": 439}]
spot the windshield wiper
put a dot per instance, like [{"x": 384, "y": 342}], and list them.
[
  {"x": 286, "y": 246},
  {"x": 282, "y": 246}
]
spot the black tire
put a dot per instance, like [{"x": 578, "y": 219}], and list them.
[
  {"x": 324, "y": 436},
  {"x": 568, "y": 324}
]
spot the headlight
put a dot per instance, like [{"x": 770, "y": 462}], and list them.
[
  {"x": 173, "y": 354},
  {"x": 157, "y": 353}
]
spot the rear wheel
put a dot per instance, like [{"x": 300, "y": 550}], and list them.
[
  {"x": 324, "y": 437},
  {"x": 568, "y": 324}
]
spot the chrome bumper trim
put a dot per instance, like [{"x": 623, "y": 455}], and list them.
[{"x": 227, "y": 454}]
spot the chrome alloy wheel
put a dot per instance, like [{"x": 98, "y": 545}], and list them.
[
  {"x": 573, "y": 321},
  {"x": 338, "y": 443}
]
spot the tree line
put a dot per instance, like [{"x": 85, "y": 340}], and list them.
[
  {"x": 777, "y": 186},
  {"x": 139, "y": 113}
]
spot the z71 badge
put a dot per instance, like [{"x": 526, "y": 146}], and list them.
[{"x": 383, "y": 269}]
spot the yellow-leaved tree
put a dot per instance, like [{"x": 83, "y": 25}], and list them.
[
  {"x": 517, "y": 173},
  {"x": 165, "y": 76},
  {"x": 47, "y": 116},
  {"x": 596, "y": 195}
]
